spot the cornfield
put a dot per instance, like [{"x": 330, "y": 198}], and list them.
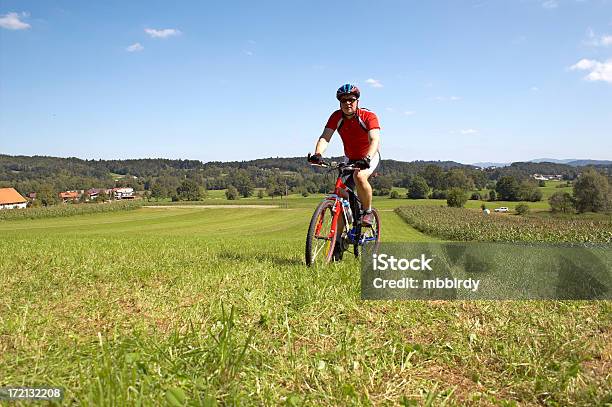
[
  {"x": 68, "y": 210},
  {"x": 470, "y": 225}
]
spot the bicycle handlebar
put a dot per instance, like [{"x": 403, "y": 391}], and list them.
[{"x": 336, "y": 165}]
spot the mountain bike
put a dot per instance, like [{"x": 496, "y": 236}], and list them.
[{"x": 336, "y": 223}]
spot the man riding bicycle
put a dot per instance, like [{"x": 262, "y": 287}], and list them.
[{"x": 360, "y": 134}]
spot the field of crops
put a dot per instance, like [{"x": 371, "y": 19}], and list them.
[
  {"x": 62, "y": 210},
  {"x": 201, "y": 306},
  {"x": 468, "y": 224}
]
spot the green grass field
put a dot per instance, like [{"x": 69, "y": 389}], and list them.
[
  {"x": 383, "y": 202},
  {"x": 215, "y": 306}
]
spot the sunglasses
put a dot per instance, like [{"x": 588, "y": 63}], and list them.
[{"x": 348, "y": 100}]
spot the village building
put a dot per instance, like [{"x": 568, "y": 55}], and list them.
[
  {"x": 123, "y": 193},
  {"x": 11, "y": 199},
  {"x": 69, "y": 196},
  {"x": 92, "y": 193},
  {"x": 544, "y": 177}
]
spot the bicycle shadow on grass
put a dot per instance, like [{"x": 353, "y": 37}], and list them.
[{"x": 261, "y": 257}]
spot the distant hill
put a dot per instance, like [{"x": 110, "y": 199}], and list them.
[
  {"x": 490, "y": 164},
  {"x": 574, "y": 162}
]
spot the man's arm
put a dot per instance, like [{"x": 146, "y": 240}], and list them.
[
  {"x": 324, "y": 140},
  {"x": 374, "y": 136}
]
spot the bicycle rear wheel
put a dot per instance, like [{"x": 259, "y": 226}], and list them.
[{"x": 320, "y": 241}]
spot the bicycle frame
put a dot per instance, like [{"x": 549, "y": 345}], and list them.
[{"x": 353, "y": 234}]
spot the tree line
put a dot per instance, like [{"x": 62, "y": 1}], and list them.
[{"x": 191, "y": 179}]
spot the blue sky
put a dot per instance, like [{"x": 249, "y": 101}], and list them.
[{"x": 466, "y": 81}]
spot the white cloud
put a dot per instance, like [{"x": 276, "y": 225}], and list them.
[
  {"x": 534, "y": 89},
  {"x": 135, "y": 47},
  {"x": 11, "y": 21},
  {"x": 165, "y": 33},
  {"x": 597, "y": 41},
  {"x": 390, "y": 109},
  {"x": 248, "y": 53},
  {"x": 550, "y": 4},
  {"x": 409, "y": 112},
  {"x": 600, "y": 71},
  {"x": 583, "y": 64},
  {"x": 375, "y": 83},
  {"x": 468, "y": 131}
]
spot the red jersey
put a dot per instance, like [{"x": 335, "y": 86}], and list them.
[{"x": 354, "y": 131}]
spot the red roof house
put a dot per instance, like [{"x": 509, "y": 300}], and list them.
[{"x": 11, "y": 199}]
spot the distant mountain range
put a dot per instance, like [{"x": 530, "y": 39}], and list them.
[{"x": 574, "y": 162}]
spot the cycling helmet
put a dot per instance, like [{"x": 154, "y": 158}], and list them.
[{"x": 346, "y": 90}]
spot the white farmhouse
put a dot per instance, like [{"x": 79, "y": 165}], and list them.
[
  {"x": 123, "y": 193},
  {"x": 11, "y": 199}
]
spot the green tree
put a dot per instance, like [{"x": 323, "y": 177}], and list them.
[
  {"x": 492, "y": 195},
  {"x": 232, "y": 193},
  {"x": 528, "y": 191},
  {"x": 439, "y": 194},
  {"x": 592, "y": 192},
  {"x": 47, "y": 195},
  {"x": 479, "y": 178},
  {"x": 189, "y": 190},
  {"x": 382, "y": 185},
  {"x": 561, "y": 202},
  {"x": 507, "y": 188},
  {"x": 242, "y": 182},
  {"x": 456, "y": 178},
  {"x": 260, "y": 194},
  {"x": 157, "y": 190},
  {"x": 522, "y": 209},
  {"x": 434, "y": 176},
  {"x": 275, "y": 186},
  {"x": 102, "y": 196},
  {"x": 418, "y": 188},
  {"x": 457, "y": 197}
]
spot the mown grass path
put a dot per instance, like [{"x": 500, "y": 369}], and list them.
[
  {"x": 187, "y": 221},
  {"x": 142, "y": 307}
]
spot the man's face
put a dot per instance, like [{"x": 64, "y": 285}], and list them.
[{"x": 348, "y": 105}]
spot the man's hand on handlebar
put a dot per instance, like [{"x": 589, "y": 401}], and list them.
[
  {"x": 315, "y": 158},
  {"x": 362, "y": 164}
]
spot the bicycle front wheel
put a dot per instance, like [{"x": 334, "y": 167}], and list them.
[{"x": 321, "y": 239}]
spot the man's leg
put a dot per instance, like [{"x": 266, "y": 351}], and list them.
[{"x": 364, "y": 189}]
